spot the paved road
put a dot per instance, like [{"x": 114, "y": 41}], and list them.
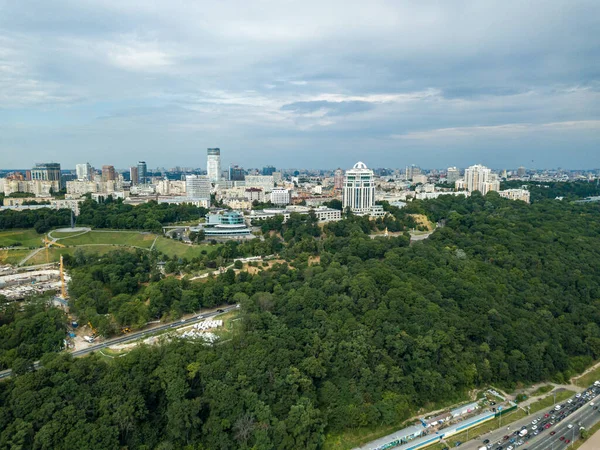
[
  {"x": 137, "y": 335},
  {"x": 584, "y": 414}
]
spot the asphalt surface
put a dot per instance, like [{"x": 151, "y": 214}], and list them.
[
  {"x": 580, "y": 411},
  {"x": 137, "y": 335}
]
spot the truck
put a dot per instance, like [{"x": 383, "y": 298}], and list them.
[{"x": 522, "y": 433}]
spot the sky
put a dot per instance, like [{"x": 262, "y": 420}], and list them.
[{"x": 305, "y": 84}]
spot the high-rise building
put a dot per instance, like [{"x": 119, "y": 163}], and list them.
[
  {"x": 280, "y": 197},
  {"x": 84, "y": 171},
  {"x": 452, "y": 174},
  {"x": 236, "y": 173},
  {"x": 359, "y": 189},
  {"x": 197, "y": 187},
  {"x": 411, "y": 171},
  {"x": 46, "y": 172},
  {"x": 108, "y": 173},
  {"x": 263, "y": 182},
  {"x": 521, "y": 171},
  {"x": 142, "y": 170},
  {"x": 213, "y": 164},
  {"x": 480, "y": 178},
  {"x": 338, "y": 179},
  {"x": 268, "y": 170},
  {"x": 133, "y": 175}
]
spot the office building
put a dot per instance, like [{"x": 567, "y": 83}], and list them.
[
  {"x": 213, "y": 164},
  {"x": 452, "y": 174},
  {"x": 263, "y": 182},
  {"x": 84, "y": 171},
  {"x": 236, "y": 173},
  {"x": 411, "y": 171},
  {"x": 133, "y": 175},
  {"x": 479, "y": 178},
  {"x": 277, "y": 177},
  {"x": 268, "y": 170},
  {"x": 46, "y": 172},
  {"x": 521, "y": 172},
  {"x": 108, "y": 173},
  {"x": 142, "y": 171},
  {"x": 280, "y": 197},
  {"x": 358, "y": 192},
  {"x": 197, "y": 187},
  {"x": 338, "y": 179},
  {"x": 225, "y": 225}
]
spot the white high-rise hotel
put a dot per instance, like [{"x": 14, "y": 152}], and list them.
[
  {"x": 358, "y": 192},
  {"x": 213, "y": 164}
]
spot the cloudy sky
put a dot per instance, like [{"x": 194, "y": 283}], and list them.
[{"x": 310, "y": 83}]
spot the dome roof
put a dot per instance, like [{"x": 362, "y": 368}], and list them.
[{"x": 360, "y": 165}]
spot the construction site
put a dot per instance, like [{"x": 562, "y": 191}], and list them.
[{"x": 19, "y": 283}]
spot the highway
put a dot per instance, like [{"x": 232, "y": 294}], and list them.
[
  {"x": 137, "y": 335},
  {"x": 580, "y": 410}
]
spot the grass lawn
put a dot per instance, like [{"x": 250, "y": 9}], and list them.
[
  {"x": 26, "y": 238},
  {"x": 589, "y": 378},
  {"x": 13, "y": 256},
  {"x": 231, "y": 323},
  {"x": 542, "y": 390},
  {"x": 549, "y": 401},
  {"x": 65, "y": 234},
  {"x": 128, "y": 238},
  {"x": 171, "y": 247}
]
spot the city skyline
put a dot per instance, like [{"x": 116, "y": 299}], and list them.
[{"x": 302, "y": 84}]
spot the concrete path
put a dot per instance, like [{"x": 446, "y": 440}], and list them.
[{"x": 592, "y": 443}]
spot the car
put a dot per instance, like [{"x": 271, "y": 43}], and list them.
[
  {"x": 552, "y": 433},
  {"x": 523, "y": 427},
  {"x": 570, "y": 401},
  {"x": 548, "y": 425},
  {"x": 534, "y": 422},
  {"x": 458, "y": 444},
  {"x": 487, "y": 441},
  {"x": 505, "y": 438},
  {"x": 546, "y": 415},
  {"x": 510, "y": 447},
  {"x": 220, "y": 310},
  {"x": 536, "y": 432},
  {"x": 577, "y": 395},
  {"x": 570, "y": 426},
  {"x": 567, "y": 441},
  {"x": 534, "y": 427},
  {"x": 596, "y": 407},
  {"x": 562, "y": 438},
  {"x": 591, "y": 403}
]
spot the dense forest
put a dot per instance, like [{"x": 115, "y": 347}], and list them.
[
  {"x": 502, "y": 292},
  {"x": 111, "y": 214},
  {"x": 29, "y": 331}
]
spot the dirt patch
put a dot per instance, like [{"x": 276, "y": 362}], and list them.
[
  {"x": 314, "y": 260},
  {"x": 422, "y": 220},
  {"x": 254, "y": 270}
]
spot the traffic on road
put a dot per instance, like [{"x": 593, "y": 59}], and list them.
[{"x": 556, "y": 428}]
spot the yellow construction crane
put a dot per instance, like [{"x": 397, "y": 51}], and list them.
[
  {"x": 48, "y": 243},
  {"x": 63, "y": 287}
]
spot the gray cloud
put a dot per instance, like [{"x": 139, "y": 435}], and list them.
[{"x": 315, "y": 84}]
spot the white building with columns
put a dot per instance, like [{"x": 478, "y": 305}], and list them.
[{"x": 358, "y": 192}]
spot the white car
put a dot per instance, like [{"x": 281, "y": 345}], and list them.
[
  {"x": 577, "y": 395},
  {"x": 570, "y": 426},
  {"x": 534, "y": 422},
  {"x": 534, "y": 427}
]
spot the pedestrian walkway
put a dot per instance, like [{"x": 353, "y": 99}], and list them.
[{"x": 592, "y": 443}]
